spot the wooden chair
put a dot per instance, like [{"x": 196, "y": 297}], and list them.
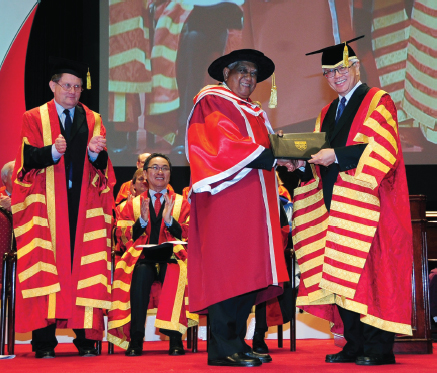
[{"x": 8, "y": 276}]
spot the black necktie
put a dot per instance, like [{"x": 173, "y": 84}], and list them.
[
  {"x": 340, "y": 109},
  {"x": 67, "y": 124}
]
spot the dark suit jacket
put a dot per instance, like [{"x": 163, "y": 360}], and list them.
[{"x": 347, "y": 156}]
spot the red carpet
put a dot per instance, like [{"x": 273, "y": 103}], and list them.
[{"x": 309, "y": 357}]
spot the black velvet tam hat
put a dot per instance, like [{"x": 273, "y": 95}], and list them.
[
  {"x": 337, "y": 55},
  {"x": 265, "y": 65},
  {"x": 60, "y": 65}
]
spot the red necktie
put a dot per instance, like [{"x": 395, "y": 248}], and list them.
[{"x": 158, "y": 203}]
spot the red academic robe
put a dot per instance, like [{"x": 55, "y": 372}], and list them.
[
  {"x": 359, "y": 255},
  {"x": 48, "y": 285},
  {"x": 235, "y": 233},
  {"x": 172, "y": 311}
]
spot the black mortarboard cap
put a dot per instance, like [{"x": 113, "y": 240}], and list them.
[
  {"x": 265, "y": 65},
  {"x": 336, "y": 55}
]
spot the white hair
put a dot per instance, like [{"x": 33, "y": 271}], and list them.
[{"x": 7, "y": 170}]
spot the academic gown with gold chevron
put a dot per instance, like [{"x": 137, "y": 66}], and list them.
[
  {"x": 49, "y": 287},
  {"x": 359, "y": 254}
]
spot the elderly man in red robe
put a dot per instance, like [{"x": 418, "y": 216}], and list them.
[
  {"x": 62, "y": 212},
  {"x": 155, "y": 217},
  {"x": 236, "y": 248},
  {"x": 6, "y": 189},
  {"x": 351, "y": 218},
  {"x": 124, "y": 191}
]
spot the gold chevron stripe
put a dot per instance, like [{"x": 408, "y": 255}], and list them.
[
  {"x": 341, "y": 273},
  {"x": 355, "y": 210},
  {"x": 312, "y": 263},
  {"x": 36, "y": 268},
  {"x": 38, "y": 292},
  {"x": 35, "y": 220},
  {"x": 348, "y": 242},
  {"x": 91, "y": 281},
  {"x": 345, "y": 258},
  {"x": 118, "y": 284},
  {"x": 90, "y": 236},
  {"x": 33, "y": 198},
  {"x": 36, "y": 242}
]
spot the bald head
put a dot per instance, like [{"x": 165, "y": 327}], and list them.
[{"x": 141, "y": 159}]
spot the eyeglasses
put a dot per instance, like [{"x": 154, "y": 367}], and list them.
[
  {"x": 67, "y": 87},
  {"x": 342, "y": 70},
  {"x": 244, "y": 71},
  {"x": 157, "y": 168}
]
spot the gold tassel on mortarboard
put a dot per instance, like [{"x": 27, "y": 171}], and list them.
[
  {"x": 273, "y": 102},
  {"x": 88, "y": 79},
  {"x": 345, "y": 55}
]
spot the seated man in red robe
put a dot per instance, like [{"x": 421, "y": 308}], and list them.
[
  {"x": 137, "y": 186},
  {"x": 154, "y": 217},
  {"x": 6, "y": 189},
  {"x": 123, "y": 193}
]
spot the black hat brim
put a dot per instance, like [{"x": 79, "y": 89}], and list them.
[{"x": 265, "y": 65}]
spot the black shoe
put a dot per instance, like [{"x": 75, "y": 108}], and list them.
[
  {"x": 265, "y": 358},
  {"x": 258, "y": 343},
  {"x": 40, "y": 354},
  {"x": 341, "y": 357},
  {"x": 238, "y": 359},
  {"x": 87, "y": 352},
  {"x": 176, "y": 346},
  {"x": 133, "y": 351},
  {"x": 376, "y": 360}
]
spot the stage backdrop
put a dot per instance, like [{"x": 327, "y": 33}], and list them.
[
  {"x": 155, "y": 56},
  {"x": 149, "y": 58}
]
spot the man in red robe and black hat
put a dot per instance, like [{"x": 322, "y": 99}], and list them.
[
  {"x": 62, "y": 208},
  {"x": 236, "y": 247},
  {"x": 351, "y": 218}
]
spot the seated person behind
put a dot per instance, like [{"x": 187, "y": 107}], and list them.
[
  {"x": 138, "y": 185},
  {"x": 154, "y": 217},
  {"x": 6, "y": 189},
  {"x": 125, "y": 187}
]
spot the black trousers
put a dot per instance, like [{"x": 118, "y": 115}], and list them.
[
  {"x": 228, "y": 321},
  {"x": 364, "y": 339},
  {"x": 143, "y": 277},
  {"x": 44, "y": 339}
]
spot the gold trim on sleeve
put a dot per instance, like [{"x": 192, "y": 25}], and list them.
[
  {"x": 341, "y": 273},
  {"x": 90, "y": 236},
  {"x": 26, "y": 227},
  {"x": 38, "y": 292},
  {"x": 92, "y": 258},
  {"x": 36, "y": 242},
  {"x": 36, "y": 268},
  {"x": 33, "y": 198},
  {"x": 345, "y": 258}
]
